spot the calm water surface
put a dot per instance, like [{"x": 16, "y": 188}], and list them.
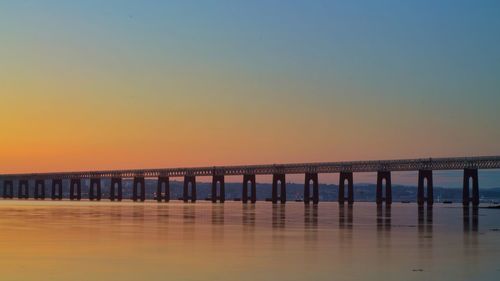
[{"x": 176, "y": 241}]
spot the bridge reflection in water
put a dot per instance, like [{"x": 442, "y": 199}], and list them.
[{"x": 151, "y": 239}]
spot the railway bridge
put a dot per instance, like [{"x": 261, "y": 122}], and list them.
[{"x": 383, "y": 168}]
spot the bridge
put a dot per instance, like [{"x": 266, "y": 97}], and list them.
[{"x": 383, "y": 168}]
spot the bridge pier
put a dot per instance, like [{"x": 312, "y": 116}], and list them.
[
  {"x": 189, "y": 180},
  {"x": 253, "y": 189},
  {"x": 136, "y": 193},
  {"x": 429, "y": 199},
  {"x": 75, "y": 185},
  {"x": 315, "y": 185},
  {"x": 468, "y": 174},
  {"x": 39, "y": 189},
  {"x": 23, "y": 189},
  {"x": 8, "y": 189},
  {"x": 350, "y": 188},
  {"x": 95, "y": 193},
  {"x": 281, "y": 179},
  {"x": 222, "y": 197},
  {"x": 159, "y": 189},
  {"x": 381, "y": 176},
  {"x": 57, "y": 189},
  {"x": 116, "y": 194}
]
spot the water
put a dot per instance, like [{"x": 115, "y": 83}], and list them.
[{"x": 176, "y": 241}]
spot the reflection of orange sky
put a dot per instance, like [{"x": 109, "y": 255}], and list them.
[
  {"x": 67, "y": 243},
  {"x": 47, "y": 241},
  {"x": 126, "y": 241}
]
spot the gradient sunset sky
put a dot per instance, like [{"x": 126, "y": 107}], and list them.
[{"x": 128, "y": 84}]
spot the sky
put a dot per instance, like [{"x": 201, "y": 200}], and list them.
[{"x": 137, "y": 84}]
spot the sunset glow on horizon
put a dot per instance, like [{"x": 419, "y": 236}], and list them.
[{"x": 145, "y": 84}]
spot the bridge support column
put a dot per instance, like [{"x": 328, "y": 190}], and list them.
[
  {"x": 95, "y": 193},
  {"x": 8, "y": 189},
  {"x": 350, "y": 188},
  {"x": 189, "y": 180},
  {"x": 381, "y": 176},
  {"x": 222, "y": 196},
  {"x": 75, "y": 185},
  {"x": 136, "y": 193},
  {"x": 57, "y": 189},
  {"x": 422, "y": 176},
  {"x": 281, "y": 179},
  {"x": 468, "y": 174},
  {"x": 23, "y": 189},
  {"x": 315, "y": 185},
  {"x": 40, "y": 189},
  {"x": 159, "y": 189},
  {"x": 115, "y": 190},
  {"x": 253, "y": 189}
]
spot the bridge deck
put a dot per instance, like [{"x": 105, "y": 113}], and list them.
[{"x": 456, "y": 163}]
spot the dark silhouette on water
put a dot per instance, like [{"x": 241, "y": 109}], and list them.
[
  {"x": 345, "y": 217},
  {"x": 469, "y": 219},
  {"x": 311, "y": 217},
  {"x": 383, "y": 217},
  {"x": 278, "y": 216}
]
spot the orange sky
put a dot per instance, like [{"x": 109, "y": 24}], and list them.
[{"x": 86, "y": 88}]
